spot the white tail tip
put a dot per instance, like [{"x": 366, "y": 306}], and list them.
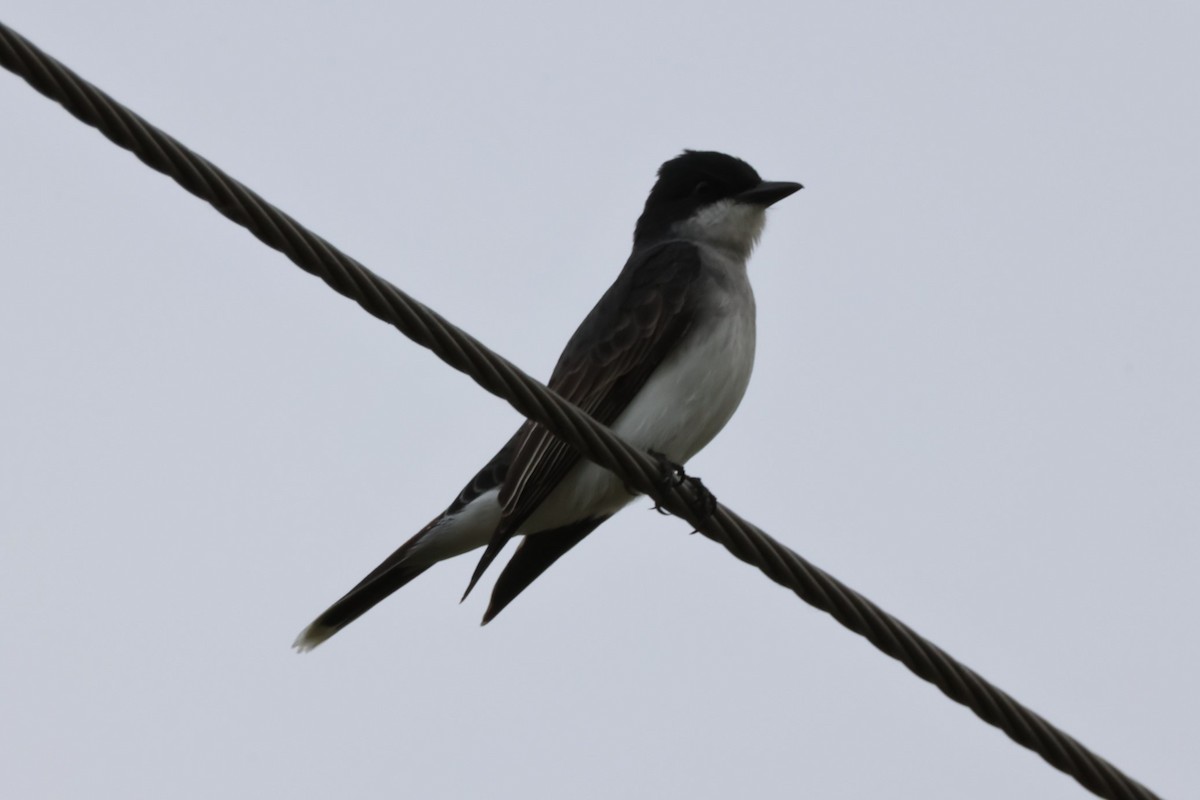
[{"x": 312, "y": 636}]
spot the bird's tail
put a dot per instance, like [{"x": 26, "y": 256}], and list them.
[{"x": 397, "y": 570}]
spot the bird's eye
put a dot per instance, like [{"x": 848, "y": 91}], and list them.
[{"x": 703, "y": 190}]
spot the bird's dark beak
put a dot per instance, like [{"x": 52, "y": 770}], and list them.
[{"x": 768, "y": 192}]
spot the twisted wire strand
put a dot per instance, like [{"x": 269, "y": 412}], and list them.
[{"x": 532, "y": 399}]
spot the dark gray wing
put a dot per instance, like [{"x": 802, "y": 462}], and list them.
[
  {"x": 533, "y": 557},
  {"x": 637, "y": 322}
]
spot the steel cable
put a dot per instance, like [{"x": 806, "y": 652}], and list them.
[{"x": 532, "y": 399}]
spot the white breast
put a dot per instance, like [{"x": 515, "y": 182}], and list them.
[
  {"x": 683, "y": 405},
  {"x": 688, "y": 400}
]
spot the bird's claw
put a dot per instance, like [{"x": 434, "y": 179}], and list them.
[
  {"x": 674, "y": 474},
  {"x": 674, "y": 477},
  {"x": 706, "y": 499}
]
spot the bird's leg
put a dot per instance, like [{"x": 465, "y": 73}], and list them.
[
  {"x": 675, "y": 476},
  {"x": 707, "y": 500}
]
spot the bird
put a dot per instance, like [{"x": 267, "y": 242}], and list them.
[{"x": 664, "y": 359}]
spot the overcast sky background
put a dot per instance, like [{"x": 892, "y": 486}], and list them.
[{"x": 975, "y": 399}]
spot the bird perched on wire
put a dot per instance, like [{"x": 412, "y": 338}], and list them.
[{"x": 663, "y": 359}]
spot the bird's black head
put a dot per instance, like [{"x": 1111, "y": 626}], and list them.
[{"x": 698, "y": 179}]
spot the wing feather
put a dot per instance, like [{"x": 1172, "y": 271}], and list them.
[{"x": 636, "y": 324}]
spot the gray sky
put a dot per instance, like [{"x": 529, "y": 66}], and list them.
[{"x": 974, "y": 400}]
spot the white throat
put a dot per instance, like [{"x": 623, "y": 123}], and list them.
[{"x": 727, "y": 224}]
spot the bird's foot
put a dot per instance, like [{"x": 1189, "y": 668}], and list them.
[
  {"x": 706, "y": 499},
  {"x": 675, "y": 476}
]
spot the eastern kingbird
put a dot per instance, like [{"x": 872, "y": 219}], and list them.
[{"x": 663, "y": 359}]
